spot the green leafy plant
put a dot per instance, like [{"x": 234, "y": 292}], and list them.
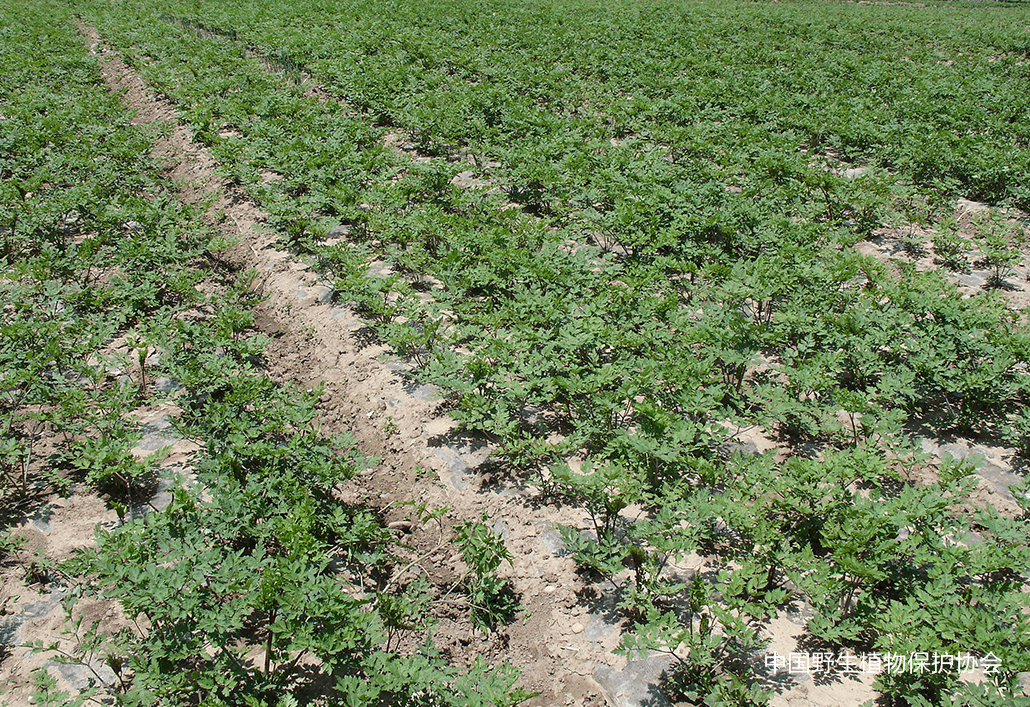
[
  {"x": 950, "y": 249},
  {"x": 711, "y": 647},
  {"x": 47, "y": 694},
  {"x": 1018, "y": 433},
  {"x": 999, "y": 253},
  {"x": 493, "y": 601}
]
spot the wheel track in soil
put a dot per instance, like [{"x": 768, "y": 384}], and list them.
[{"x": 314, "y": 342}]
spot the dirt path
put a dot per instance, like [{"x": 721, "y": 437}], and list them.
[{"x": 423, "y": 460}]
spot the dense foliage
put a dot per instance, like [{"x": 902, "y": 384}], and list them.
[
  {"x": 101, "y": 263},
  {"x": 615, "y": 232}
]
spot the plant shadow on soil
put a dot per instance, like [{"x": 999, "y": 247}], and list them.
[
  {"x": 314, "y": 684},
  {"x": 778, "y": 681},
  {"x": 1020, "y": 466},
  {"x": 656, "y": 696},
  {"x": 810, "y": 645},
  {"x": 366, "y": 337},
  {"x": 20, "y": 508}
]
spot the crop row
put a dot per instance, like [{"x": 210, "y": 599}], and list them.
[
  {"x": 257, "y": 584},
  {"x": 937, "y": 97}
]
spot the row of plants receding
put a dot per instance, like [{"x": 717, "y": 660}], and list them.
[
  {"x": 95, "y": 249},
  {"x": 897, "y": 90},
  {"x": 625, "y": 329},
  {"x": 333, "y": 168},
  {"x": 257, "y": 584}
]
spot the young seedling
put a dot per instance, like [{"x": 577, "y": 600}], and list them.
[
  {"x": 493, "y": 602},
  {"x": 998, "y": 241}
]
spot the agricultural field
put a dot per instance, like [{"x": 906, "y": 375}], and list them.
[{"x": 651, "y": 352}]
